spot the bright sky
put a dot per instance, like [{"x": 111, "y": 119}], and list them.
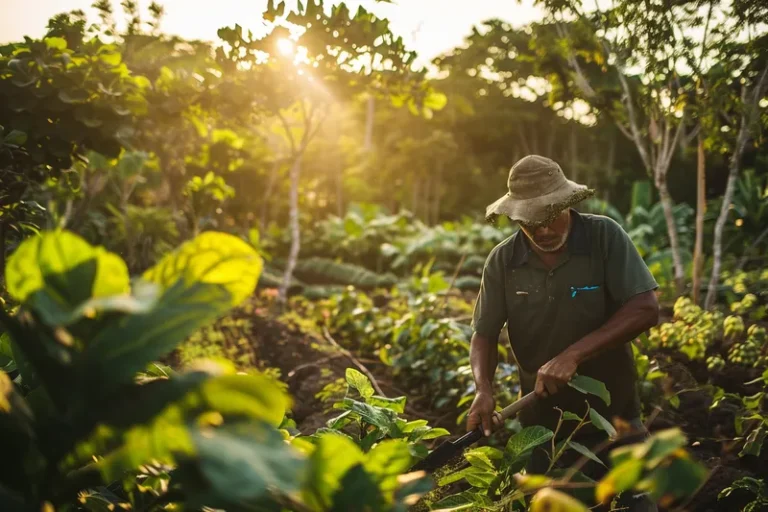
[{"x": 428, "y": 26}]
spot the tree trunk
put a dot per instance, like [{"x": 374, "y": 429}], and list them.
[
  {"x": 701, "y": 210},
  {"x": 369, "y": 118},
  {"x": 722, "y": 218},
  {"x": 293, "y": 224},
  {"x": 674, "y": 242}
]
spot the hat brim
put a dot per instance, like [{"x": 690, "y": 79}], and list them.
[{"x": 539, "y": 210}]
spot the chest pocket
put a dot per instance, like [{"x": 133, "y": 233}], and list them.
[
  {"x": 585, "y": 294},
  {"x": 528, "y": 308}
]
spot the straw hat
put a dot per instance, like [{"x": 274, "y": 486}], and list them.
[{"x": 538, "y": 192}]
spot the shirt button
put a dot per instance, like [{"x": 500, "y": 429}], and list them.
[
  {"x": 551, "y": 274},
  {"x": 551, "y": 298}
]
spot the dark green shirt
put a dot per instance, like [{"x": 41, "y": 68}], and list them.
[{"x": 546, "y": 310}]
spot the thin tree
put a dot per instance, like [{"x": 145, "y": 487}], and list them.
[{"x": 297, "y": 81}]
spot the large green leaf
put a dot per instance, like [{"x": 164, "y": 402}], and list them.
[
  {"x": 333, "y": 456},
  {"x": 67, "y": 268},
  {"x": 140, "y": 403},
  {"x": 588, "y": 385},
  {"x": 211, "y": 258},
  {"x": 15, "y": 137},
  {"x": 360, "y": 382},
  {"x": 528, "y": 439},
  {"x": 585, "y": 452},
  {"x": 358, "y": 491},
  {"x": 128, "y": 344},
  {"x": 254, "y": 396},
  {"x": 621, "y": 478},
  {"x": 243, "y": 460},
  {"x": 171, "y": 405},
  {"x": 142, "y": 300},
  {"x": 600, "y": 422},
  {"x": 386, "y": 461},
  {"x": 754, "y": 442},
  {"x": 393, "y": 404},
  {"x": 382, "y": 418}
]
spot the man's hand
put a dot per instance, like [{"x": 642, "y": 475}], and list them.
[
  {"x": 482, "y": 413},
  {"x": 555, "y": 374}
]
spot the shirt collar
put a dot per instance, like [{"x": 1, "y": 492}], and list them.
[{"x": 578, "y": 241}]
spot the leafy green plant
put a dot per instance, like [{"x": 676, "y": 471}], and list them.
[
  {"x": 369, "y": 418},
  {"x": 751, "y": 421},
  {"x": 495, "y": 482},
  {"x": 756, "y": 487},
  {"x": 58, "y": 100},
  {"x": 650, "y": 378},
  {"x": 206, "y": 195},
  {"x": 692, "y": 330},
  {"x": 90, "y": 418}
]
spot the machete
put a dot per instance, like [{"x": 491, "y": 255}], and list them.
[{"x": 450, "y": 449}]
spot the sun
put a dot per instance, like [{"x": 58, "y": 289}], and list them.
[{"x": 285, "y": 46}]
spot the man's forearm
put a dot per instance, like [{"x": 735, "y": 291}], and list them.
[
  {"x": 483, "y": 357},
  {"x": 635, "y": 317}
]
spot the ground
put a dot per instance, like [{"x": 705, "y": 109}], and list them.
[{"x": 307, "y": 363}]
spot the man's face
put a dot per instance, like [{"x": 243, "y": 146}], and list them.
[{"x": 550, "y": 237}]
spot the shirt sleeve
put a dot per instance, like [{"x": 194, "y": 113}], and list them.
[
  {"x": 626, "y": 274},
  {"x": 490, "y": 312}
]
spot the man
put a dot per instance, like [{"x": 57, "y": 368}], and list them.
[{"x": 574, "y": 292}]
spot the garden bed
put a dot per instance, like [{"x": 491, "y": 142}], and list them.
[{"x": 307, "y": 363}]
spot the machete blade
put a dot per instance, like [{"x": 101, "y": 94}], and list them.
[{"x": 447, "y": 451}]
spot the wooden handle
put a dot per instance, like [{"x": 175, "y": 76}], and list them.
[{"x": 516, "y": 407}]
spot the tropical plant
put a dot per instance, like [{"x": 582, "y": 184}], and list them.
[
  {"x": 369, "y": 418},
  {"x": 84, "y": 412},
  {"x": 59, "y": 98}
]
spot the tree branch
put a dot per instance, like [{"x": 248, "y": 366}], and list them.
[
  {"x": 352, "y": 358},
  {"x": 694, "y": 133},
  {"x": 581, "y": 80},
  {"x": 287, "y": 129},
  {"x": 674, "y": 142}
]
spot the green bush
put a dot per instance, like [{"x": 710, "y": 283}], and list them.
[{"x": 90, "y": 419}]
